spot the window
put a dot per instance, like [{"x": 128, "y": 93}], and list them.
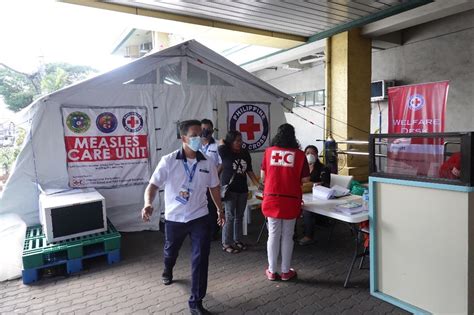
[
  {"x": 319, "y": 97},
  {"x": 215, "y": 80},
  {"x": 196, "y": 75},
  {"x": 171, "y": 74},
  {"x": 310, "y": 98},
  {"x": 149, "y": 78}
]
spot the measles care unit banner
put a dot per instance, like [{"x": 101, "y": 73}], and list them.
[
  {"x": 418, "y": 108},
  {"x": 252, "y": 119},
  {"x": 106, "y": 146}
]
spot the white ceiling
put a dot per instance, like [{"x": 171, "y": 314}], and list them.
[{"x": 304, "y": 18}]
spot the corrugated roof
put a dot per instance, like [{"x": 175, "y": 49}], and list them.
[{"x": 303, "y": 18}]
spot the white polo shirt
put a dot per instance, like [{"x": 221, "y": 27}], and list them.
[
  {"x": 211, "y": 151},
  {"x": 171, "y": 175}
]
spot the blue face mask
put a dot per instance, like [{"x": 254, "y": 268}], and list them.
[{"x": 194, "y": 143}]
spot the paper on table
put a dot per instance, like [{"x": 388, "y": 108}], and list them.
[
  {"x": 322, "y": 192},
  {"x": 340, "y": 191},
  {"x": 350, "y": 208},
  {"x": 349, "y": 205}
]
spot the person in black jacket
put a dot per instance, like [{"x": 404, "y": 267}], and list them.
[{"x": 319, "y": 174}]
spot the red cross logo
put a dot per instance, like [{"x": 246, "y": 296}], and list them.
[
  {"x": 277, "y": 157},
  {"x": 250, "y": 127},
  {"x": 132, "y": 121},
  {"x": 416, "y": 102},
  {"x": 282, "y": 158}
]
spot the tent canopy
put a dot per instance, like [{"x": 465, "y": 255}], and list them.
[{"x": 186, "y": 81}]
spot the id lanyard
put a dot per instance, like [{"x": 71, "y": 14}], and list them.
[
  {"x": 189, "y": 173},
  {"x": 206, "y": 148}
]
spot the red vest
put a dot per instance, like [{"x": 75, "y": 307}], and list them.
[{"x": 282, "y": 193}]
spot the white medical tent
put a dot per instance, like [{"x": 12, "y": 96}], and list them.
[{"x": 186, "y": 81}]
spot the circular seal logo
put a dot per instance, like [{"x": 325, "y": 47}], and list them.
[
  {"x": 252, "y": 122},
  {"x": 132, "y": 122},
  {"x": 78, "y": 122},
  {"x": 106, "y": 122},
  {"x": 416, "y": 102}
]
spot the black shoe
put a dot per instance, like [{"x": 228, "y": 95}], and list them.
[
  {"x": 199, "y": 310},
  {"x": 167, "y": 277}
]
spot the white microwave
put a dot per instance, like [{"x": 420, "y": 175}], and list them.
[{"x": 73, "y": 213}]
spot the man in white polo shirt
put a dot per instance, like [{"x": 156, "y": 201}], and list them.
[
  {"x": 209, "y": 148},
  {"x": 186, "y": 175}
]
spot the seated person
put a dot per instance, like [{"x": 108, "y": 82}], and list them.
[
  {"x": 451, "y": 168},
  {"x": 321, "y": 175}
]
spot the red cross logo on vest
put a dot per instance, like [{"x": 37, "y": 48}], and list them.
[
  {"x": 249, "y": 127},
  {"x": 282, "y": 158}
]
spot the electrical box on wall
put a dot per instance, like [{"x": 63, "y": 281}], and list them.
[{"x": 378, "y": 90}]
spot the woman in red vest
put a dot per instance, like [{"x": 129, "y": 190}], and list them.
[{"x": 284, "y": 168}]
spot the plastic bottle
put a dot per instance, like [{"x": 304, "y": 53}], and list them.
[{"x": 365, "y": 199}]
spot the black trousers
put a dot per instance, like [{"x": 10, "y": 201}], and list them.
[
  {"x": 199, "y": 233},
  {"x": 212, "y": 215}
]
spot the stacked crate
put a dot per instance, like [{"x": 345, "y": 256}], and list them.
[{"x": 40, "y": 256}]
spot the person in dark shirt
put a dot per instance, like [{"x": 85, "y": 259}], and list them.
[
  {"x": 321, "y": 175},
  {"x": 236, "y": 165}
]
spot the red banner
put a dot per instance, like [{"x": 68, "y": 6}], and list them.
[
  {"x": 106, "y": 148},
  {"x": 418, "y": 108}
]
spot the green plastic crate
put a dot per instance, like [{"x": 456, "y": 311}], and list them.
[{"x": 38, "y": 252}]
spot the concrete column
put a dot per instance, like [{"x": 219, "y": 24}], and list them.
[{"x": 348, "y": 78}]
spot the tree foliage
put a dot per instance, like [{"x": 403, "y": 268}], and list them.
[
  {"x": 20, "y": 89},
  {"x": 8, "y": 155}
]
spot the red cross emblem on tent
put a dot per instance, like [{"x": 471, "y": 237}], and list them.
[
  {"x": 282, "y": 158},
  {"x": 252, "y": 121},
  {"x": 250, "y": 127},
  {"x": 132, "y": 122}
]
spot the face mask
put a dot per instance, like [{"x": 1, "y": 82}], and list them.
[
  {"x": 311, "y": 158},
  {"x": 194, "y": 143},
  {"x": 206, "y": 133}
]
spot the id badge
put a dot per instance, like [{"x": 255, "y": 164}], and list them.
[{"x": 184, "y": 195}]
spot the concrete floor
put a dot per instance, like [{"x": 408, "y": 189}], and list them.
[{"x": 237, "y": 283}]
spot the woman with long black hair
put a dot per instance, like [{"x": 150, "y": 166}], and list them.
[
  {"x": 284, "y": 169},
  {"x": 236, "y": 165}
]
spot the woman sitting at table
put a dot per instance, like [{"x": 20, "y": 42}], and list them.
[
  {"x": 319, "y": 174},
  {"x": 284, "y": 168}
]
